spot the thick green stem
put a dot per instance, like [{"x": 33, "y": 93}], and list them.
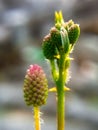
[
  {"x": 60, "y": 110},
  {"x": 59, "y": 73},
  {"x": 61, "y": 93}
]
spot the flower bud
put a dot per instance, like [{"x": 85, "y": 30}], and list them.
[
  {"x": 73, "y": 33},
  {"x": 35, "y": 86},
  {"x": 56, "y": 37},
  {"x": 49, "y": 48}
]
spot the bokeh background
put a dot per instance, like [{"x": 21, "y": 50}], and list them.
[{"x": 23, "y": 24}]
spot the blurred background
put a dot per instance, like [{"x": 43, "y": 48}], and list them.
[{"x": 23, "y": 24}]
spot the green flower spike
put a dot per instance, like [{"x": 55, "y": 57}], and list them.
[
  {"x": 56, "y": 37},
  {"x": 73, "y": 33},
  {"x": 35, "y": 86},
  {"x": 49, "y": 48}
]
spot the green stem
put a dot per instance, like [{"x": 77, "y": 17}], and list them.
[
  {"x": 60, "y": 111},
  {"x": 61, "y": 93},
  {"x": 59, "y": 73}
]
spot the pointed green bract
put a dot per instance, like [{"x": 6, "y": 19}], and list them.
[{"x": 65, "y": 40}]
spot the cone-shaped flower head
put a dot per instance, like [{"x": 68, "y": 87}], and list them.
[{"x": 35, "y": 86}]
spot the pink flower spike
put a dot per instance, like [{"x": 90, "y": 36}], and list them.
[{"x": 35, "y": 83}]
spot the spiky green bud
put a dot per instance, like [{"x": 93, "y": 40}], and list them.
[
  {"x": 49, "y": 48},
  {"x": 73, "y": 33},
  {"x": 35, "y": 86}
]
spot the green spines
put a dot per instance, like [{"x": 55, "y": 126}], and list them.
[
  {"x": 73, "y": 33},
  {"x": 49, "y": 48},
  {"x": 35, "y": 86}
]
